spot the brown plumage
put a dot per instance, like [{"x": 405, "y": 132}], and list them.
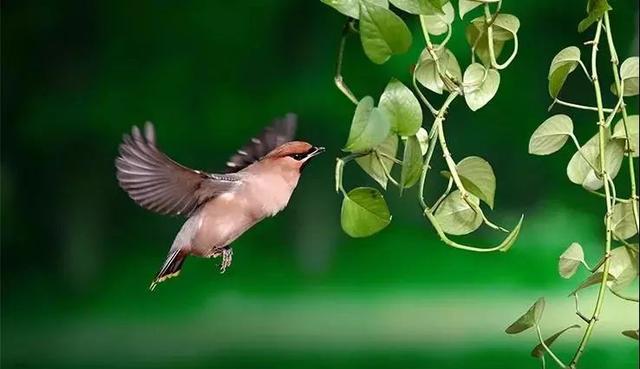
[{"x": 258, "y": 183}]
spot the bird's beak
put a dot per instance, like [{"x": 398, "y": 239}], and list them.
[{"x": 318, "y": 151}]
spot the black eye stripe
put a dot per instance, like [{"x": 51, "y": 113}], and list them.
[{"x": 300, "y": 156}]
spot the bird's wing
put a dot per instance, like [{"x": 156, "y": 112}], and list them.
[
  {"x": 159, "y": 184},
  {"x": 282, "y": 130}
]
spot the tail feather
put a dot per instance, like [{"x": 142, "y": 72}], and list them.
[{"x": 171, "y": 268}]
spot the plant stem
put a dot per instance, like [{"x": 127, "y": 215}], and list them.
[
  {"x": 602, "y": 133},
  {"x": 433, "y": 134},
  {"x": 342, "y": 86},
  {"x": 340, "y": 163},
  {"x": 547, "y": 349},
  {"x": 578, "y": 106},
  {"x": 489, "y": 19},
  {"x": 616, "y": 76},
  {"x": 426, "y": 102}
]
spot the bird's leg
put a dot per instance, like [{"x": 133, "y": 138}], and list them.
[{"x": 227, "y": 255}]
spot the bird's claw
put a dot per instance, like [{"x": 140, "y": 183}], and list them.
[{"x": 227, "y": 256}]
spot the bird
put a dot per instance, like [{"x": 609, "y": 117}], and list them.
[{"x": 219, "y": 207}]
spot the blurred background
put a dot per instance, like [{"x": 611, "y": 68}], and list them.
[{"x": 78, "y": 254}]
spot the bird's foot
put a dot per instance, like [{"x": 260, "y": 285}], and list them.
[{"x": 227, "y": 255}]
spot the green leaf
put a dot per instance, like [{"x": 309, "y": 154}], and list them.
[
  {"x": 511, "y": 238},
  {"x": 465, "y": 6},
  {"x": 629, "y": 74},
  {"x": 623, "y": 266},
  {"x": 629, "y": 77},
  {"x": 382, "y": 32},
  {"x": 423, "y": 138},
  {"x": 364, "y": 212},
  {"x": 633, "y": 127},
  {"x": 351, "y": 8},
  {"x": 595, "y": 11},
  {"x": 529, "y": 319},
  {"x": 595, "y": 278},
  {"x": 402, "y": 108},
  {"x": 369, "y": 127},
  {"x": 411, "y": 163},
  {"x": 614, "y": 154},
  {"x": 539, "y": 350},
  {"x": 427, "y": 71},
  {"x": 505, "y": 27},
  {"x": 631, "y": 334},
  {"x": 570, "y": 260},
  {"x": 456, "y": 217},
  {"x": 371, "y": 163},
  {"x": 480, "y": 85},
  {"x": 581, "y": 173},
  {"x": 562, "y": 64},
  {"x": 438, "y": 23},
  {"x": 418, "y": 6},
  {"x": 623, "y": 221},
  {"x": 477, "y": 177},
  {"x": 551, "y": 135}
]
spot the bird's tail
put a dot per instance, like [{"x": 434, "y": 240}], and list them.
[{"x": 171, "y": 267}]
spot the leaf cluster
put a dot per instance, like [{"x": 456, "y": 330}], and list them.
[{"x": 390, "y": 134}]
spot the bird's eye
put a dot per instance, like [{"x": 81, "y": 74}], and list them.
[{"x": 298, "y": 156}]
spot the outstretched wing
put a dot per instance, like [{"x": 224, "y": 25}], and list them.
[
  {"x": 282, "y": 130},
  {"x": 159, "y": 184}
]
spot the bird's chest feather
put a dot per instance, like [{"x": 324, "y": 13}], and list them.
[
  {"x": 267, "y": 195},
  {"x": 229, "y": 215}
]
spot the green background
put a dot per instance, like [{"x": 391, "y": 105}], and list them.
[{"x": 77, "y": 254}]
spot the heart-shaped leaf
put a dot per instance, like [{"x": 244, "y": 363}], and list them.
[
  {"x": 580, "y": 172},
  {"x": 562, "y": 65},
  {"x": 628, "y": 77},
  {"x": 382, "y": 33},
  {"x": 480, "y": 85},
  {"x": 623, "y": 221},
  {"x": 633, "y": 128},
  {"x": 411, "y": 163},
  {"x": 371, "y": 163},
  {"x": 476, "y": 34},
  {"x": 438, "y": 23},
  {"x": 505, "y": 27},
  {"x": 427, "y": 71},
  {"x": 351, "y": 8},
  {"x": 477, "y": 177},
  {"x": 623, "y": 266},
  {"x": 570, "y": 260},
  {"x": 364, "y": 212},
  {"x": 551, "y": 135},
  {"x": 529, "y": 319},
  {"x": 369, "y": 127},
  {"x": 423, "y": 138},
  {"x": 539, "y": 350},
  {"x": 402, "y": 108},
  {"x": 595, "y": 11},
  {"x": 465, "y": 6},
  {"x": 456, "y": 217},
  {"x": 595, "y": 278}
]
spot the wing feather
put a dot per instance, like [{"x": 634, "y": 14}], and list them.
[
  {"x": 282, "y": 130},
  {"x": 157, "y": 183}
]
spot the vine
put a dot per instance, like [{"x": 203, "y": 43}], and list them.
[
  {"x": 376, "y": 131},
  {"x": 594, "y": 166}
]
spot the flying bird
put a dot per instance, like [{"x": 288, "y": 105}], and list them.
[{"x": 257, "y": 183}]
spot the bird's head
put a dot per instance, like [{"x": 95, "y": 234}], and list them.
[{"x": 293, "y": 155}]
